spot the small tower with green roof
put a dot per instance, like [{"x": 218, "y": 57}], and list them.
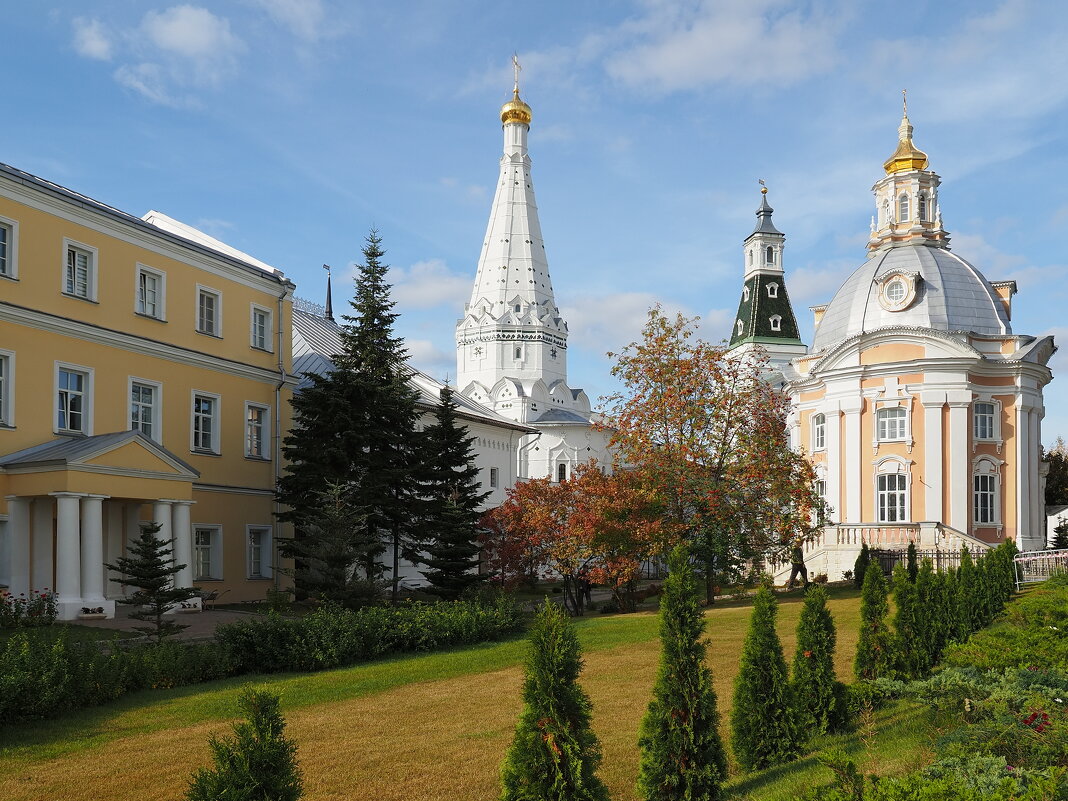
[{"x": 765, "y": 317}]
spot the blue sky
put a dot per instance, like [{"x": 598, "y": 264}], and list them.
[{"x": 288, "y": 127}]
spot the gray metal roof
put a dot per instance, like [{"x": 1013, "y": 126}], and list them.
[
  {"x": 562, "y": 416},
  {"x": 952, "y": 296},
  {"x": 65, "y": 450},
  {"x": 317, "y": 340},
  {"x": 764, "y": 225}
]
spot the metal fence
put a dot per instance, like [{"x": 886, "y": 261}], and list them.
[
  {"x": 888, "y": 560},
  {"x": 1035, "y": 566}
]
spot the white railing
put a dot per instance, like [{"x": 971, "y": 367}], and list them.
[{"x": 1035, "y": 566}]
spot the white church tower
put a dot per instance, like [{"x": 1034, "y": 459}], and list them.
[{"x": 511, "y": 344}]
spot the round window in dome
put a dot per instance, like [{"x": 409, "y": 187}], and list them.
[{"x": 898, "y": 291}]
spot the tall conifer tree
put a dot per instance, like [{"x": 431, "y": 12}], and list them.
[
  {"x": 813, "y": 674},
  {"x": 875, "y": 646},
  {"x": 764, "y": 725},
  {"x": 682, "y": 755},
  {"x": 355, "y": 426},
  {"x": 451, "y": 502},
  {"x": 967, "y": 614},
  {"x": 554, "y": 754},
  {"x": 908, "y": 628}
]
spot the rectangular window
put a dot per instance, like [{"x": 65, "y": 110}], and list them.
[
  {"x": 493, "y": 477},
  {"x": 256, "y": 430},
  {"x": 207, "y": 559},
  {"x": 260, "y": 328},
  {"x": 259, "y": 552},
  {"x": 5, "y": 250},
  {"x": 6, "y": 389},
  {"x": 144, "y": 403},
  {"x": 985, "y": 487},
  {"x": 890, "y": 424},
  {"x": 208, "y": 311},
  {"x": 72, "y": 388},
  {"x": 78, "y": 279},
  {"x": 150, "y": 293},
  {"x": 891, "y": 498},
  {"x": 205, "y": 423},
  {"x": 984, "y": 420},
  {"x": 819, "y": 432}
]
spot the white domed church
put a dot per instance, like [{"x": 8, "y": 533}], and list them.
[{"x": 918, "y": 405}]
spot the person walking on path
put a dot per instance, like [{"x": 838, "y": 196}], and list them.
[{"x": 797, "y": 565}]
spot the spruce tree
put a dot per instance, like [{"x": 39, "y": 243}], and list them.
[
  {"x": 451, "y": 503},
  {"x": 860, "y": 566},
  {"x": 257, "y": 764},
  {"x": 814, "y": 682},
  {"x": 875, "y": 646},
  {"x": 151, "y": 569},
  {"x": 682, "y": 755},
  {"x": 554, "y": 754},
  {"x": 764, "y": 725},
  {"x": 912, "y": 563},
  {"x": 909, "y": 642},
  {"x": 355, "y": 426}
]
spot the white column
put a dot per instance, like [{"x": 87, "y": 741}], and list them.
[
  {"x": 43, "y": 576},
  {"x": 834, "y": 459},
  {"x": 18, "y": 538},
  {"x": 183, "y": 543},
  {"x": 1037, "y": 503},
  {"x": 851, "y": 407},
  {"x": 960, "y": 470},
  {"x": 68, "y": 553},
  {"x": 932, "y": 454},
  {"x": 92, "y": 561},
  {"x": 113, "y": 545},
  {"x": 161, "y": 515}
]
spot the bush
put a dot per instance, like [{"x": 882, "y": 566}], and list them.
[
  {"x": 39, "y": 609},
  {"x": 875, "y": 646},
  {"x": 813, "y": 669}
]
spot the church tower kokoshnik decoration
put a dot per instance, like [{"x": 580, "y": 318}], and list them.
[{"x": 511, "y": 343}]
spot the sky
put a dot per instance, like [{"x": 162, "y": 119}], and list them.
[{"x": 289, "y": 128}]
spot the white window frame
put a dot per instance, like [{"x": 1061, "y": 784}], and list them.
[
  {"x": 214, "y": 549},
  {"x": 773, "y": 290},
  {"x": 769, "y": 255},
  {"x": 7, "y": 388},
  {"x": 987, "y": 470},
  {"x": 904, "y": 204},
  {"x": 819, "y": 431},
  {"x": 87, "y": 399},
  {"x": 776, "y": 322},
  {"x": 883, "y": 411},
  {"x": 745, "y": 294},
  {"x": 161, "y": 292},
  {"x": 11, "y": 261},
  {"x": 156, "y": 420},
  {"x": 265, "y": 433},
  {"x": 216, "y": 422},
  {"x": 561, "y": 472},
  {"x": 494, "y": 477},
  {"x": 265, "y": 552},
  {"x": 92, "y": 264},
  {"x": 268, "y": 328},
  {"x": 218, "y": 326},
  {"x": 922, "y": 207}
]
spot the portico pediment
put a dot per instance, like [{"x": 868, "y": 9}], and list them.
[
  {"x": 907, "y": 341},
  {"x": 123, "y": 453}
]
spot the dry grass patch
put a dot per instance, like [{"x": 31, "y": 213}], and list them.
[{"x": 435, "y": 735}]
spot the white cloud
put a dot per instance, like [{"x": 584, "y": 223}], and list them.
[
  {"x": 607, "y": 322},
  {"x": 303, "y": 18},
  {"x": 91, "y": 39},
  {"x": 740, "y": 42},
  {"x": 428, "y": 357},
  {"x": 149, "y": 81},
  {"x": 200, "y": 46},
  {"x": 429, "y": 284}
]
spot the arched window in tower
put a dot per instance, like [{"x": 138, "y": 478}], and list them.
[
  {"x": 739, "y": 326},
  {"x": 773, "y": 290},
  {"x": 776, "y": 322},
  {"x": 921, "y": 207},
  {"x": 902, "y": 207},
  {"x": 745, "y": 294},
  {"x": 769, "y": 255},
  {"x": 885, "y": 213},
  {"x": 819, "y": 432},
  {"x": 561, "y": 472},
  {"x": 750, "y": 258}
]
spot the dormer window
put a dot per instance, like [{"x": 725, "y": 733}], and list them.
[
  {"x": 769, "y": 255},
  {"x": 776, "y": 322},
  {"x": 518, "y": 308},
  {"x": 740, "y": 326},
  {"x": 773, "y": 290},
  {"x": 921, "y": 207},
  {"x": 902, "y": 208},
  {"x": 745, "y": 294}
]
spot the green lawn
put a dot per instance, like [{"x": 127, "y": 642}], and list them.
[{"x": 427, "y": 727}]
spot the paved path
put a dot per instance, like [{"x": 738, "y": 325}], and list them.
[{"x": 202, "y": 624}]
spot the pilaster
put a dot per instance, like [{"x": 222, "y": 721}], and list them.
[
  {"x": 851, "y": 409},
  {"x": 68, "y": 553},
  {"x": 960, "y": 483}
]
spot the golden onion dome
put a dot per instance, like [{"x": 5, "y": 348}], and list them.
[
  {"x": 515, "y": 110},
  {"x": 907, "y": 156}
]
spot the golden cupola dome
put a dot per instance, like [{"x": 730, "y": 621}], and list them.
[
  {"x": 907, "y": 157},
  {"x": 515, "y": 110}
]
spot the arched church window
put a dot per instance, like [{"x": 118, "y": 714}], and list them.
[
  {"x": 769, "y": 255},
  {"x": 902, "y": 207},
  {"x": 518, "y": 308},
  {"x": 891, "y": 491},
  {"x": 985, "y": 493},
  {"x": 890, "y": 424},
  {"x": 819, "y": 432},
  {"x": 921, "y": 207},
  {"x": 776, "y": 322},
  {"x": 519, "y": 353},
  {"x": 561, "y": 472},
  {"x": 773, "y": 290}
]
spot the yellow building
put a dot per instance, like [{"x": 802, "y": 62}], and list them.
[{"x": 144, "y": 377}]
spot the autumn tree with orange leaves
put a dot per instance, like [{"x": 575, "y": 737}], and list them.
[{"x": 705, "y": 431}]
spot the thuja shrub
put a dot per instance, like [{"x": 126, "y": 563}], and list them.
[
  {"x": 682, "y": 755},
  {"x": 815, "y": 687},
  {"x": 875, "y": 654},
  {"x": 331, "y": 636},
  {"x": 764, "y": 725},
  {"x": 912, "y": 658},
  {"x": 554, "y": 754}
]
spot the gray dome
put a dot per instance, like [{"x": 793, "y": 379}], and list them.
[{"x": 951, "y": 295}]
